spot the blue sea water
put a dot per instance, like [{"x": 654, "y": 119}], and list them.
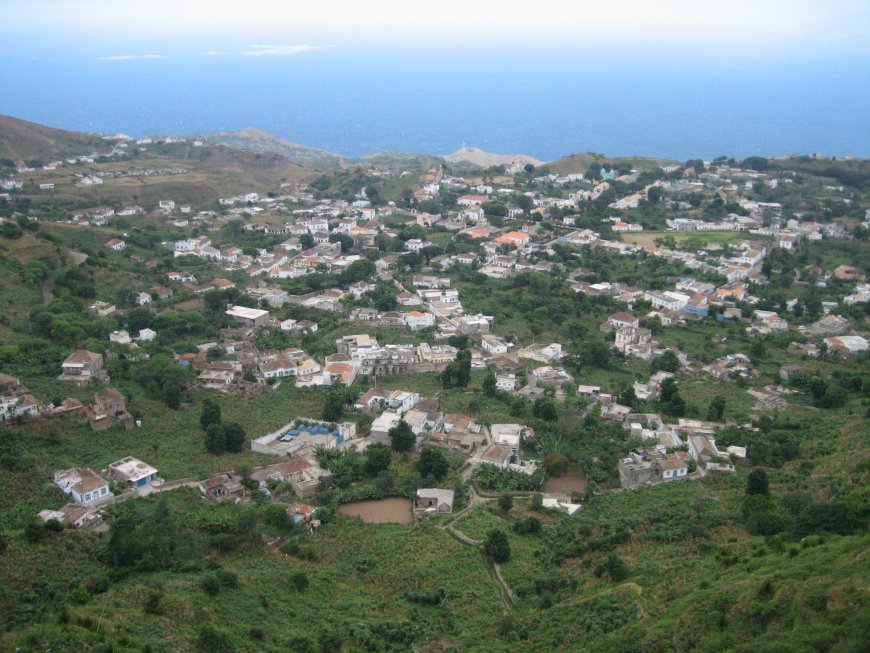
[{"x": 356, "y": 101}]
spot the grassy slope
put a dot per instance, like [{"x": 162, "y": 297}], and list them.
[{"x": 20, "y": 139}]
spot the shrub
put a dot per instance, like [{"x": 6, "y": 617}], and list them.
[
  {"x": 97, "y": 584},
  {"x": 210, "y": 584},
  {"x": 211, "y": 640},
  {"x": 299, "y": 581},
  {"x": 528, "y": 525},
  {"x": 497, "y": 546}
]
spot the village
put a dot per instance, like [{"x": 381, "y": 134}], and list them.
[{"x": 392, "y": 270}]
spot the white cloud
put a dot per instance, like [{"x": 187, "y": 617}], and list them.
[
  {"x": 215, "y": 53},
  {"x": 131, "y": 57},
  {"x": 280, "y": 50}
]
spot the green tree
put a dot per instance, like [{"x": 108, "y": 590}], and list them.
[
  {"x": 345, "y": 240},
  {"x": 757, "y": 483},
  {"x": 333, "y": 407},
  {"x": 716, "y": 409},
  {"x": 497, "y": 546},
  {"x": 234, "y": 437},
  {"x": 433, "y": 463},
  {"x": 402, "y": 437},
  {"x": 667, "y": 362},
  {"x": 670, "y": 401},
  {"x": 211, "y": 413},
  {"x": 524, "y": 202},
  {"x": 378, "y": 459},
  {"x": 215, "y": 438},
  {"x": 489, "y": 385},
  {"x": 545, "y": 408},
  {"x": 360, "y": 270},
  {"x": 505, "y": 502}
]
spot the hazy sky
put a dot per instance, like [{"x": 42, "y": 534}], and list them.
[{"x": 288, "y": 27}]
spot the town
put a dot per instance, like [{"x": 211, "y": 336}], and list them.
[{"x": 447, "y": 347}]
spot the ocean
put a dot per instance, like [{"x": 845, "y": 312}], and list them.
[{"x": 356, "y": 101}]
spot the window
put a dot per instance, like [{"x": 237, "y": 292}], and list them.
[{"x": 87, "y": 497}]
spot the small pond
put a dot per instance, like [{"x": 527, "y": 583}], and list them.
[{"x": 395, "y": 510}]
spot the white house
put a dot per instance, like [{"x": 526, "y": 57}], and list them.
[
  {"x": 494, "y": 345},
  {"x": 506, "y": 382},
  {"x": 147, "y": 335},
  {"x": 507, "y": 435},
  {"x": 417, "y": 320},
  {"x": 84, "y": 486}
]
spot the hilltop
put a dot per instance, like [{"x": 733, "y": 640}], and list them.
[
  {"x": 23, "y": 140},
  {"x": 483, "y": 159},
  {"x": 200, "y": 172},
  {"x": 256, "y": 140},
  {"x": 581, "y": 161}
]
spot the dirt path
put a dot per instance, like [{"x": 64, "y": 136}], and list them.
[{"x": 47, "y": 290}]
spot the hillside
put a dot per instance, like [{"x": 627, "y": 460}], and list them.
[
  {"x": 256, "y": 140},
  {"x": 199, "y": 174},
  {"x": 483, "y": 159},
  {"x": 22, "y": 140},
  {"x": 580, "y": 162}
]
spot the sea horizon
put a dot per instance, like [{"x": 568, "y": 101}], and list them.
[{"x": 355, "y": 103}]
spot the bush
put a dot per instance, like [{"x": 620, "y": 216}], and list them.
[
  {"x": 613, "y": 566},
  {"x": 433, "y": 462},
  {"x": 153, "y": 601},
  {"x": 227, "y": 579},
  {"x": 299, "y": 581},
  {"x": 96, "y": 584},
  {"x": 34, "y": 532},
  {"x": 505, "y": 502},
  {"x": 211, "y": 640},
  {"x": 210, "y": 584},
  {"x": 528, "y": 525},
  {"x": 497, "y": 546}
]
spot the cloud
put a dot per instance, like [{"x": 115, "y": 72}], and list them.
[
  {"x": 281, "y": 50},
  {"x": 131, "y": 57},
  {"x": 215, "y": 53}
]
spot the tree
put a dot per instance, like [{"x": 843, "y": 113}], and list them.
[
  {"x": 215, "y": 439},
  {"x": 433, "y": 463},
  {"x": 234, "y": 437},
  {"x": 670, "y": 400},
  {"x": 329, "y": 641},
  {"x": 505, "y": 502},
  {"x": 345, "y": 240},
  {"x": 497, "y": 546},
  {"x": 378, "y": 459},
  {"x": 458, "y": 373},
  {"x": 667, "y": 362},
  {"x": 211, "y": 414},
  {"x": 524, "y": 202},
  {"x": 614, "y": 566},
  {"x": 716, "y": 409},
  {"x": 654, "y": 194},
  {"x": 358, "y": 271},
  {"x": 756, "y": 482},
  {"x": 402, "y": 437},
  {"x": 545, "y": 408},
  {"x": 334, "y": 405},
  {"x": 594, "y": 352},
  {"x": 489, "y": 385}
]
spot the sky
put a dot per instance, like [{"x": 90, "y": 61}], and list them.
[{"x": 124, "y": 30}]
